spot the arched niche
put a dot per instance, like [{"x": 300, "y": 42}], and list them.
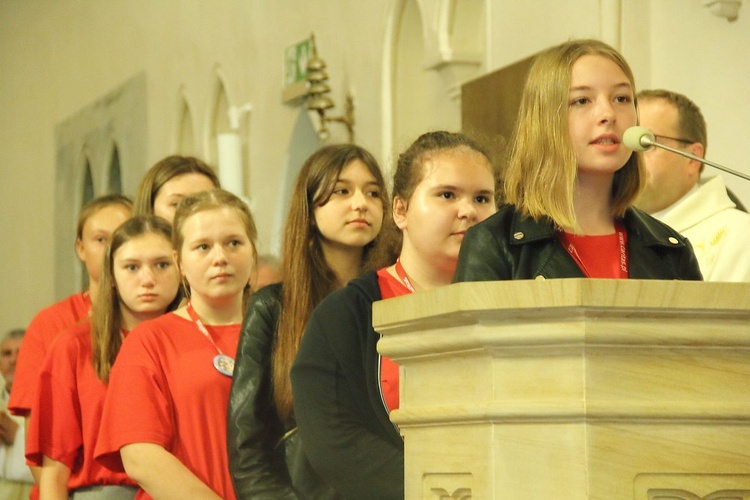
[
  {"x": 114, "y": 174},
  {"x": 415, "y": 89},
  {"x": 88, "y": 193},
  {"x": 432, "y": 47},
  {"x": 87, "y": 186},
  {"x": 185, "y": 129},
  {"x": 218, "y": 118},
  {"x": 106, "y": 135},
  {"x": 226, "y": 146},
  {"x": 302, "y": 143}
]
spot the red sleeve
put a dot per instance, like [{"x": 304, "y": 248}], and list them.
[
  {"x": 389, "y": 373},
  {"x": 40, "y": 333},
  {"x": 55, "y": 424},
  {"x": 138, "y": 408}
]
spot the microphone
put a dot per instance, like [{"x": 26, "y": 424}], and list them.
[{"x": 642, "y": 139}]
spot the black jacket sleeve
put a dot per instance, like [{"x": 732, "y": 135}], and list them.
[
  {"x": 256, "y": 462},
  {"x": 344, "y": 426},
  {"x": 689, "y": 267},
  {"x": 481, "y": 258}
]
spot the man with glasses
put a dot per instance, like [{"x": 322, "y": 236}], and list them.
[{"x": 675, "y": 193}]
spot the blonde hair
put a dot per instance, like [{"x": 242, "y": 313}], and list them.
[
  {"x": 162, "y": 172},
  {"x": 542, "y": 165},
  {"x": 106, "y": 318},
  {"x": 211, "y": 200}
]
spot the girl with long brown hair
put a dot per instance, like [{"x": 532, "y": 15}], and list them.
[
  {"x": 335, "y": 216},
  {"x": 139, "y": 281}
]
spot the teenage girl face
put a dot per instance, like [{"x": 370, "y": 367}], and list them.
[
  {"x": 96, "y": 235},
  {"x": 175, "y": 189},
  {"x": 146, "y": 277},
  {"x": 456, "y": 192},
  {"x": 600, "y": 109},
  {"x": 353, "y": 215},
  {"x": 216, "y": 256}
]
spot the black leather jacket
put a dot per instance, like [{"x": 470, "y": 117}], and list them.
[
  {"x": 507, "y": 246},
  {"x": 266, "y": 460}
]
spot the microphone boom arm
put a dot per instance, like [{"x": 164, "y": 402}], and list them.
[{"x": 647, "y": 141}]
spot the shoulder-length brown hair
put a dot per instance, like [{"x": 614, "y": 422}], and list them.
[
  {"x": 307, "y": 277},
  {"x": 163, "y": 171},
  {"x": 106, "y": 318},
  {"x": 542, "y": 166}
]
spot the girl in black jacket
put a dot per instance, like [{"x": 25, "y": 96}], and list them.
[
  {"x": 335, "y": 216},
  {"x": 570, "y": 182},
  {"x": 343, "y": 389}
]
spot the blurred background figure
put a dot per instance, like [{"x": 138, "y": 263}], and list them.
[
  {"x": 267, "y": 272},
  {"x": 15, "y": 477}
]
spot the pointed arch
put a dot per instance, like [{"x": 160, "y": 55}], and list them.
[
  {"x": 87, "y": 182},
  {"x": 217, "y": 116},
  {"x": 431, "y": 48},
  {"x": 302, "y": 143},
  {"x": 88, "y": 193},
  {"x": 114, "y": 172},
  {"x": 185, "y": 143}
]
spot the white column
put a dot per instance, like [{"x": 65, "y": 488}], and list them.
[{"x": 229, "y": 148}]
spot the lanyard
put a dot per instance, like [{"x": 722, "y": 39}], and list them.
[
  {"x": 201, "y": 327},
  {"x": 620, "y": 230},
  {"x": 224, "y": 364},
  {"x": 404, "y": 277}
]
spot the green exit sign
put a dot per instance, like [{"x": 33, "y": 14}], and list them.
[{"x": 295, "y": 69}]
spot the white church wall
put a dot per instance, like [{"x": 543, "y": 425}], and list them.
[{"x": 57, "y": 58}]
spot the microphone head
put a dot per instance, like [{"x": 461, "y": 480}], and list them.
[{"x": 638, "y": 138}]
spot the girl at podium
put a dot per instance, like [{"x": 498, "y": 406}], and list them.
[
  {"x": 570, "y": 182},
  {"x": 343, "y": 389}
]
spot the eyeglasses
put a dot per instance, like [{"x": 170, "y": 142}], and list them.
[{"x": 684, "y": 141}]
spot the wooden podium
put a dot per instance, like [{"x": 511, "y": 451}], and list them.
[{"x": 573, "y": 389}]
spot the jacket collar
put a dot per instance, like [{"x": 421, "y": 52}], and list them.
[
  {"x": 651, "y": 232},
  {"x": 639, "y": 226},
  {"x": 527, "y": 230}
]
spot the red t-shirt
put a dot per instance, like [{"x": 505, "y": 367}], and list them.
[
  {"x": 601, "y": 256},
  {"x": 164, "y": 389},
  {"x": 389, "y": 287},
  {"x": 42, "y": 330},
  {"x": 65, "y": 418}
]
